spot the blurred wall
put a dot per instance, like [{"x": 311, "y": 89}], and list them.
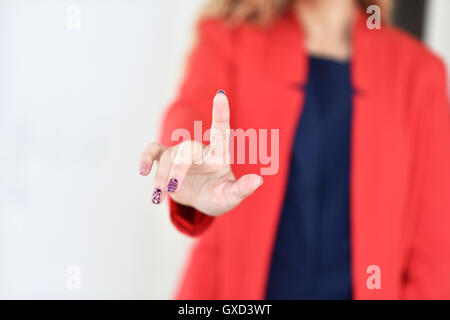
[
  {"x": 437, "y": 28},
  {"x": 77, "y": 107}
]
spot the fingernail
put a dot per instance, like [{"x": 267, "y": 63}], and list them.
[
  {"x": 143, "y": 169},
  {"x": 221, "y": 91},
  {"x": 172, "y": 185},
  {"x": 156, "y": 196}
]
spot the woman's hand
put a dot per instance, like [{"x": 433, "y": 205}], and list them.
[{"x": 197, "y": 175}]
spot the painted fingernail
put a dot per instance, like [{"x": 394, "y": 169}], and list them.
[
  {"x": 172, "y": 185},
  {"x": 156, "y": 196},
  {"x": 221, "y": 91},
  {"x": 143, "y": 169}
]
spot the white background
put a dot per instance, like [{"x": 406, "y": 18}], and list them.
[{"x": 77, "y": 108}]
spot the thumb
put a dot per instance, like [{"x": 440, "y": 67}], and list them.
[{"x": 243, "y": 187}]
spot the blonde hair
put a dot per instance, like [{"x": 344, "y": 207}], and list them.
[{"x": 262, "y": 12}]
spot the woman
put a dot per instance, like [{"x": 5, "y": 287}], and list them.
[{"x": 360, "y": 204}]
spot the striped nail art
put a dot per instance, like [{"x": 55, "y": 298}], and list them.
[
  {"x": 156, "y": 196},
  {"x": 172, "y": 185}
]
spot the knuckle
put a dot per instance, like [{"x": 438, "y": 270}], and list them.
[
  {"x": 186, "y": 146},
  {"x": 187, "y": 151},
  {"x": 166, "y": 157},
  {"x": 152, "y": 149},
  {"x": 147, "y": 156}
]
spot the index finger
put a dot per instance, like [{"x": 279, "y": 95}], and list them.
[{"x": 220, "y": 128}]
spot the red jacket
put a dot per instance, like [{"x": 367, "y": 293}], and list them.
[{"x": 400, "y": 162}]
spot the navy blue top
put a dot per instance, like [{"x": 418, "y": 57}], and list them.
[{"x": 311, "y": 258}]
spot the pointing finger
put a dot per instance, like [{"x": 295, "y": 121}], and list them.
[{"x": 220, "y": 128}]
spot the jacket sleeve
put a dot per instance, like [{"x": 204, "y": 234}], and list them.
[
  {"x": 428, "y": 272},
  {"x": 208, "y": 70}
]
